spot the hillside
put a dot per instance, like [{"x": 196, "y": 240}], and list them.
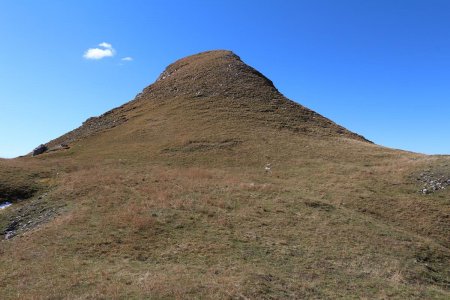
[
  {"x": 217, "y": 82},
  {"x": 212, "y": 184}
]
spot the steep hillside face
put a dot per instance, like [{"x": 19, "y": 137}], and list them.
[
  {"x": 217, "y": 80},
  {"x": 211, "y": 184}
]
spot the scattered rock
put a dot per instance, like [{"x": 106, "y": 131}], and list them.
[
  {"x": 39, "y": 149},
  {"x": 29, "y": 216},
  {"x": 13, "y": 225},
  {"x": 433, "y": 182}
]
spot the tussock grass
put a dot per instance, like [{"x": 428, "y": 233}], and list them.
[{"x": 335, "y": 217}]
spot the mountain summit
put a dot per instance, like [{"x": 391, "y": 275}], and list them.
[
  {"x": 219, "y": 81},
  {"x": 210, "y": 184}
]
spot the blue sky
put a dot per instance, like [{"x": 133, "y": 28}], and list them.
[{"x": 380, "y": 68}]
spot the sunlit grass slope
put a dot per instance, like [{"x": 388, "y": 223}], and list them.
[{"x": 211, "y": 184}]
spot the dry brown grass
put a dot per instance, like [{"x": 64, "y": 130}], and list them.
[{"x": 334, "y": 218}]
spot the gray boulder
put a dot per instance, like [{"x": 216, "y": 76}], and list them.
[{"x": 39, "y": 149}]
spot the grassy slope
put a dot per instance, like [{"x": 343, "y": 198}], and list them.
[{"x": 176, "y": 202}]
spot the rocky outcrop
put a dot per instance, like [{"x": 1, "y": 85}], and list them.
[{"x": 39, "y": 149}]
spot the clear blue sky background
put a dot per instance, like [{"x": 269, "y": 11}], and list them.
[{"x": 378, "y": 67}]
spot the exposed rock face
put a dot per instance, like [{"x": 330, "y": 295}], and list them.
[{"x": 39, "y": 149}]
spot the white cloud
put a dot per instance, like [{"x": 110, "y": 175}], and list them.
[
  {"x": 96, "y": 53},
  {"x": 105, "y": 50},
  {"x": 106, "y": 45},
  {"x": 128, "y": 58}
]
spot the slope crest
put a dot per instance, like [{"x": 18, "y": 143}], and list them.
[{"x": 219, "y": 81}]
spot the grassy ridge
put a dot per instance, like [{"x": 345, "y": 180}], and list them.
[{"x": 210, "y": 197}]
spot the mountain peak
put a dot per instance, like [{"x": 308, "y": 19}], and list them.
[
  {"x": 220, "y": 82},
  {"x": 211, "y": 73}
]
